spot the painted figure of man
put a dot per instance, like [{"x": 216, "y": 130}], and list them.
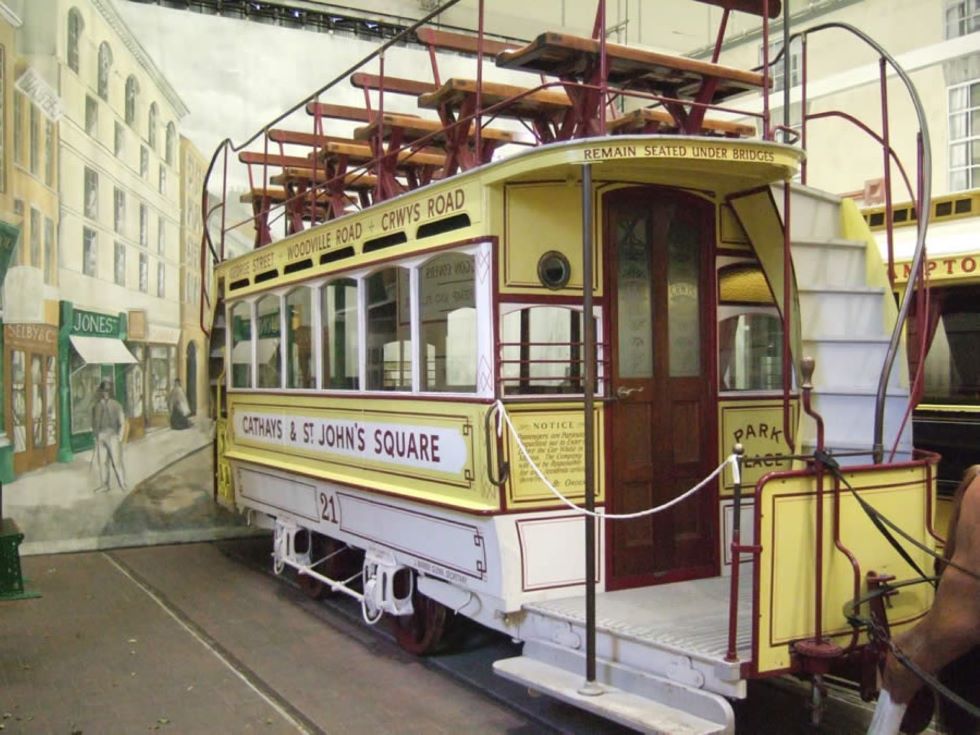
[{"x": 108, "y": 427}]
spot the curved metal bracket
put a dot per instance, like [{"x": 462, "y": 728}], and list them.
[{"x": 504, "y": 468}]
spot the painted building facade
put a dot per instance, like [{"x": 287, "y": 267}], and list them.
[
  {"x": 118, "y": 277},
  {"x": 193, "y": 357}
]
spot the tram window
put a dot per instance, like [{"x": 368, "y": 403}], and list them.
[
  {"x": 340, "y": 338},
  {"x": 749, "y": 348},
  {"x": 241, "y": 345},
  {"x": 389, "y": 333},
  {"x": 300, "y": 366},
  {"x": 541, "y": 351},
  {"x": 269, "y": 369},
  {"x": 448, "y": 316},
  {"x": 952, "y": 369}
]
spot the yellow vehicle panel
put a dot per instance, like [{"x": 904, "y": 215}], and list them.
[
  {"x": 426, "y": 450},
  {"x": 786, "y": 570}
]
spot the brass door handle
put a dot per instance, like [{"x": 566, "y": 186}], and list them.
[{"x": 624, "y": 392}]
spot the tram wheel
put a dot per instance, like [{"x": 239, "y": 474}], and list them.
[{"x": 421, "y": 632}]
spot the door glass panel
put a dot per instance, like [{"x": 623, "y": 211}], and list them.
[
  {"x": 683, "y": 299},
  {"x": 37, "y": 417},
  {"x": 51, "y": 402},
  {"x": 635, "y": 330},
  {"x": 18, "y": 394}
]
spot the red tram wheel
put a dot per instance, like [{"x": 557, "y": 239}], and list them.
[{"x": 421, "y": 632}]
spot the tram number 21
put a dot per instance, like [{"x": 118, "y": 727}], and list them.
[{"x": 328, "y": 508}]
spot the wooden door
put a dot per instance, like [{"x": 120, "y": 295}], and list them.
[{"x": 662, "y": 417}]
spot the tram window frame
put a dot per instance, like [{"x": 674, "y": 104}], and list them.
[
  {"x": 511, "y": 307},
  {"x": 484, "y": 326},
  {"x": 231, "y": 344},
  {"x": 734, "y": 311}
]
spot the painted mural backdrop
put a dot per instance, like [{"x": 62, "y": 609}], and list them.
[
  {"x": 109, "y": 113},
  {"x": 106, "y": 434}
]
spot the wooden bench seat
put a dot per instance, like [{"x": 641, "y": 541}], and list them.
[
  {"x": 354, "y": 181},
  {"x": 344, "y": 112},
  {"x": 294, "y": 137},
  {"x": 456, "y": 91},
  {"x": 270, "y": 159},
  {"x": 461, "y": 42},
  {"x": 412, "y": 87},
  {"x": 358, "y": 152},
  {"x": 568, "y": 56},
  {"x": 648, "y": 120},
  {"x": 414, "y": 128}
]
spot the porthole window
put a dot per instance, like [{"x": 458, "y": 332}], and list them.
[{"x": 554, "y": 270}]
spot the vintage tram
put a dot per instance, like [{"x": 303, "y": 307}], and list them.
[{"x": 408, "y": 379}]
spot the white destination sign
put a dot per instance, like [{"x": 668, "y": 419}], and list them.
[{"x": 426, "y": 447}]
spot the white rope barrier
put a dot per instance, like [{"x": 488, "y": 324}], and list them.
[{"x": 504, "y": 417}]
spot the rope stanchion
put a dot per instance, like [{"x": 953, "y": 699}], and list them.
[{"x": 504, "y": 418}]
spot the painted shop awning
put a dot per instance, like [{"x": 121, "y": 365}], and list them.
[
  {"x": 101, "y": 350},
  {"x": 242, "y": 352}
]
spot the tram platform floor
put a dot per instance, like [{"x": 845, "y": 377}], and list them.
[{"x": 189, "y": 639}]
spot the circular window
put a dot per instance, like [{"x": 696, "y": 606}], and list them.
[{"x": 554, "y": 270}]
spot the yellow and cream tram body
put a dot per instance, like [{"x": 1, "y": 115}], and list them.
[{"x": 409, "y": 378}]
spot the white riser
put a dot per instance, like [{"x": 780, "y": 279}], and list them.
[
  {"x": 849, "y": 363},
  {"x": 849, "y": 417},
  {"x": 814, "y": 216},
  {"x": 840, "y": 263},
  {"x": 857, "y": 313}
]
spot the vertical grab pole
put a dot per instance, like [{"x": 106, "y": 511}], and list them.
[
  {"x": 736, "y": 547},
  {"x": 479, "y": 86},
  {"x": 787, "y": 70},
  {"x": 887, "y": 172},
  {"x": 766, "y": 114},
  {"x": 589, "y": 338}
]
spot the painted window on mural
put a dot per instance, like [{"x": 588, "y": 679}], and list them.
[
  {"x": 447, "y": 308},
  {"x": 339, "y": 312},
  {"x": 51, "y": 401},
  {"x": 37, "y": 412},
  {"x": 91, "y": 117},
  {"x": 90, "y": 254},
  {"x": 144, "y": 162},
  {"x": 161, "y": 236},
  {"x": 161, "y": 358},
  {"x": 105, "y": 64},
  {"x": 241, "y": 345},
  {"x": 144, "y": 226},
  {"x": 144, "y": 273},
  {"x": 135, "y": 382},
  {"x": 389, "y": 333},
  {"x": 119, "y": 140},
  {"x": 119, "y": 210},
  {"x": 171, "y": 143},
  {"x": 75, "y": 27},
  {"x": 84, "y": 382},
  {"x": 151, "y": 125},
  {"x": 35, "y": 150},
  {"x": 269, "y": 362},
  {"x": 132, "y": 91},
  {"x": 91, "y": 194},
  {"x": 18, "y": 397},
  {"x": 49, "y": 153},
  {"x": 300, "y": 363},
  {"x": 119, "y": 264},
  {"x": 161, "y": 280},
  {"x": 18, "y": 127},
  {"x": 50, "y": 248},
  {"x": 35, "y": 237}
]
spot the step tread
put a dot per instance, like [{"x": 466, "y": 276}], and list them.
[
  {"x": 833, "y": 242},
  {"x": 627, "y": 709}
]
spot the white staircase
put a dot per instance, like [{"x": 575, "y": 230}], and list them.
[{"x": 846, "y": 326}]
